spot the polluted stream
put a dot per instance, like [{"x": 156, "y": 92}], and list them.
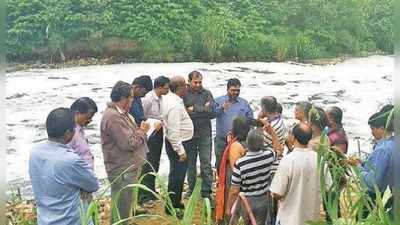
[{"x": 360, "y": 86}]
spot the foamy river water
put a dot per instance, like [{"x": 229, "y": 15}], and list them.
[{"x": 359, "y": 86}]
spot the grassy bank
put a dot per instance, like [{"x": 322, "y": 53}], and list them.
[
  {"x": 353, "y": 201},
  {"x": 197, "y": 210},
  {"x": 20, "y": 212}
]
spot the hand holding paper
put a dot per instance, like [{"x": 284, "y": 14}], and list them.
[{"x": 155, "y": 125}]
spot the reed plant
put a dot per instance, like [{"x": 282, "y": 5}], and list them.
[
  {"x": 192, "y": 205},
  {"x": 348, "y": 190}
]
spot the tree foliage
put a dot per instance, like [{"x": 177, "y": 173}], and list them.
[{"x": 186, "y": 30}]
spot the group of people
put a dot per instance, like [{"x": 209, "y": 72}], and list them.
[{"x": 266, "y": 167}]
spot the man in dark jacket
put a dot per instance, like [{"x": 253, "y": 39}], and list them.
[
  {"x": 199, "y": 103},
  {"x": 141, "y": 86}
]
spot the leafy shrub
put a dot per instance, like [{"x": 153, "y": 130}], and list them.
[
  {"x": 157, "y": 50},
  {"x": 198, "y": 30},
  {"x": 210, "y": 36},
  {"x": 305, "y": 48},
  {"x": 257, "y": 47}
]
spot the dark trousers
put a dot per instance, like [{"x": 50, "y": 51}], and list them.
[
  {"x": 260, "y": 207},
  {"x": 219, "y": 148},
  {"x": 200, "y": 146},
  {"x": 177, "y": 173},
  {"x": 124, "y": 201},
  {"x": 154, "y": 144}
]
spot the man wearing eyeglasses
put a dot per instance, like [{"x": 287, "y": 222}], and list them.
[
  {"x": 124, "y": 146},
  {"x": 141, "y": 86},
  {"x": 229, "y": 107},
  {"x": 152, "y": 111}
]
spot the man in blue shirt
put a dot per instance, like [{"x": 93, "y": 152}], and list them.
[
  {"x": 58, "y": 174},
  {"x": 378, "y": 169},
  {"x": 229, "y": 106},
  {"x": 141, "y": 85}
]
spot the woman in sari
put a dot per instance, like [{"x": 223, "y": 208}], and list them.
[{"x": 235, "y": 149}]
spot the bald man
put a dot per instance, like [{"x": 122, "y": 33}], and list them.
[
  {"x": 179, "y": 130},
  {"x": 296, "y": 184}
]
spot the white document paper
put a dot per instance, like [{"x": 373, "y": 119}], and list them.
[{"x": 152, "y": 123}]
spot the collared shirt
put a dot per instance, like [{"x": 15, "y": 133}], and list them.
[
  {"x": 338, "y": 137},
  {"x": 178, "y": 125},
  {"x": 252, "y": 172},
  {"x": 80, "y": 145},
  {"x": 298, "y": 181},
  {"x": 58, "y": 175},
  {"x": 152, "y": 105},
  {"x": 137, "y": 110},
  {"x": 378, "y": 168},
  {"x": 123, "y": 143},
  {"x": 225, "y": 118}
]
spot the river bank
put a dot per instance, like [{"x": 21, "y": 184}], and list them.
[{"x": 40, "y": 64}]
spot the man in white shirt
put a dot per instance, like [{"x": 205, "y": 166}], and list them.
[
  {"x": 179, "y": 129},
  {"x": 296, "y": 184}
]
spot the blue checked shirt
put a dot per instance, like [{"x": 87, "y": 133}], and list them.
[{"x": 224, "y": 119}]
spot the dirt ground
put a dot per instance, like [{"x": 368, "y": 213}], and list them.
[{"x": 24, "y": 213}]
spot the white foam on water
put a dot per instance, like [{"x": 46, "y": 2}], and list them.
[{"x": 359, "y": 86}]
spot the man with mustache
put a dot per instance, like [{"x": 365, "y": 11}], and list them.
[
  {"x": 124, "y": 146},
  {"x": 58, "y": 175},
  {"x": 178, "y": 131},
  {"x": 198, "y": 102},
  {"x": 229, "y": 106},
  {"x": 84, "y": 109}
]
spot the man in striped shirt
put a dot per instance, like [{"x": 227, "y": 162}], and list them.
[
  {"x": 276, "y": 140},
  {"x": 252, "y": 176}
]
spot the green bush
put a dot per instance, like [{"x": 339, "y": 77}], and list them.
[
  {"x": 281, "y": 46},
  {"x": 305, "y": 48},
  {"x": 211, "y": 35},
  {"x": 157, "y": 50},
  {"x": 257, "y": 47},
  {"x": 175, "y": 30}
]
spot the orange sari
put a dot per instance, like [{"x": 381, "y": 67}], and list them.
[{"x": 220, "y": 192}]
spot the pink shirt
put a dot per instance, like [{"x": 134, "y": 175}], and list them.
[
  {"x": 80, "y": 145},
  {"x": 338, "y": 137}
]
